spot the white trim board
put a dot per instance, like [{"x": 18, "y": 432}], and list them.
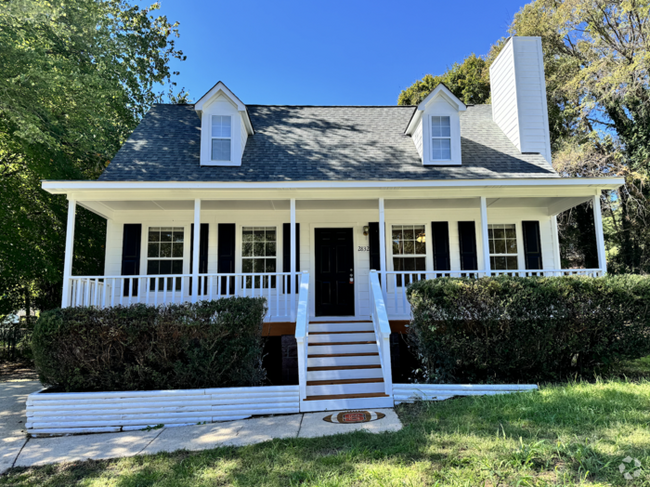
[{"x": 62, "y": 187}]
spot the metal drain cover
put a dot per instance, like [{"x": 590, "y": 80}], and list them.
[{"x": 350, "y": 417}]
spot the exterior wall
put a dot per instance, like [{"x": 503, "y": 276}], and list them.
[
  {"x": 311, "y": 219},
  {"x": 519, "y": 95}
]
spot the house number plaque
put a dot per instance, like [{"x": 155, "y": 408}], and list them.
[{"x": 363, "y": 248}]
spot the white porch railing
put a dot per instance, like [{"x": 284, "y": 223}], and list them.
[
  {"x": 397, "y": 304},
  {"x": 382, "y": 329},
  {"x": 302, "y": 333},
  {"x": 108, "y": 291}
]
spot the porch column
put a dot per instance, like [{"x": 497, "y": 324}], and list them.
[
  {"x": 196, "y": 250},
  {"x": 292, "y": 246},
  {"x": 600, "y": 237},
  {"x": 382, "y": 243},
  {"x": 484, "y": 236},
  {"x": 69, "y": 252},
  {"x": 556, "y": 243}
]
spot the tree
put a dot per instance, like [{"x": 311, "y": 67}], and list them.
[
  {"x": 75, "y": 76},
  {"x": 597, "y": 60},
  {"x": 469, "y": 81}
]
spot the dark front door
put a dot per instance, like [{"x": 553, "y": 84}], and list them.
[{"x": 334, "y": 272}]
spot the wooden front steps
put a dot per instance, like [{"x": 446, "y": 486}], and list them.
[{"x": 343, "y": 367}]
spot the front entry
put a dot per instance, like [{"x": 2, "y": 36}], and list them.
[{"x": 334, "y": 272}]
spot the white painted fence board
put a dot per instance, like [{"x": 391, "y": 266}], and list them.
[
  {"x": 438, "y": 392},
  {"x": 65, "y": 413}
]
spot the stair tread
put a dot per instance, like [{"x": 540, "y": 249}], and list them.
[
  {"x": 336, "y": 322},
  {"x": 321, "y": 344},
  {"x": 343, "y": 367},
  {"x": 334, "y": 397},
  {"x": 320, "y": 355},
  {"x": 331, "y": 382},
  {"x": 339, "y": 332}
]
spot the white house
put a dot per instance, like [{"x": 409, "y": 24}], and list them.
[{"x": 252, "y": 199}]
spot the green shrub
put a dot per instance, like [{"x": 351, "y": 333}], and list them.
[
  {"x": 208, "y": 344},
  {"x": 511, "y": 329}
]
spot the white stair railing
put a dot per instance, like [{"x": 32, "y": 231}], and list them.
[
  {"x": 302, "y": 333},
  {"x": 382, "y": 329}
]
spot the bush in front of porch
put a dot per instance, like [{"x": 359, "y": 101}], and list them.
[
  {"x": 514, "y": 329},
  {"x": 207, "y": 344}
]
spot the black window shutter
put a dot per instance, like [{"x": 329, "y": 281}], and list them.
[
  {"x": 440, "y": 241},
  {"x": 373, "y": 243},
  {"x": 226, "y": 254},
  {"x": 131, "y": 240},
  {"x": 467, "y": 239},
  {"x": 203, "y": 255},
  {"x": 286, "y": 250},
  {"x": 532, "y": 245}
]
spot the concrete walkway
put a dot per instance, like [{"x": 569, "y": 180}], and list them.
[{"x": 19, "y": 451}]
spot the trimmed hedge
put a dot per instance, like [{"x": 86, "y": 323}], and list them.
[
  {"x": 512, "y": 329},
  {"x": 208, "y": 344}
]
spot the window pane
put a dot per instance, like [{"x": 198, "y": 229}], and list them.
[
  {"x": 153, "y": 267},
  {"x": 499, "y": 246},
  {"x": 258, "y": 249},
  {"x": 270, "y": 249},
  {"x": 511, "y": 262},
  {"x": 221, "y": 126},
  {"x": 270, "y": 265},
  {"x": 177, "y": 250},
  {"x": 154, "y": 235},
  {"x": 511, "y": 246},
  {"x": 441, "y": 148},
  {"x": 166, "y": 250},
  {"x": 247, "y": 249},
  {"x": 258, "y": 265},
  {"x": 499, "y": 263},
  {"x": 247, "y": 265},
  {"x": 165, "y": 234},
  {"x": 153, "y": 250},
  {"x": 221, "y": 149},
  {"x": 270, "y": 235},
  {"x": 178, "y": 235}
]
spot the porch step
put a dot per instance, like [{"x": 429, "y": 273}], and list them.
[
  {"x": 344, "y": 381},
  {"x": 341, "y": 347},
  {"x": 343, "y": 373},
  {"x": 346, "y": 401},
  {"x": 345, "y": 396},
  {"x": 345, "y": 388},
  {"x": 344, "y": 327},
  {"x": 341, "y": 336},
  {"x": 343, "y": 359},
  {"x": 343, "y": 367}
]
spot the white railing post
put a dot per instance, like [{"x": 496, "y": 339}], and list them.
[
  {"x": 196, "y": 250},
  {"x": 69, "y": 253},
  {"x": 292, "y": 278},
  {"x": 484, "y": 236},
  {"x": 383, "y": 264},
  {"x": 302, "y": 332},
  {"x": 600, "y": 237},
  {"x": 382, "y": 330}
]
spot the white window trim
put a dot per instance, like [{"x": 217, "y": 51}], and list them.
[
  {"x": 517, "y": 254},
  {"x": 212, "y": 137},
  {"x": 144, "y": 260},
  {"x": 439, "y": 137}
]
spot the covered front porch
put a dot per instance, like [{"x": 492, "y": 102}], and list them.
[{"x": 262, "y": 240}]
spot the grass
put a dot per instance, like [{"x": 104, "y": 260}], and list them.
[{"x": 573, "y": 434}]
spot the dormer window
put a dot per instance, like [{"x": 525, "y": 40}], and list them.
[
  {"x": 440, "y": 138},
  {"x": 221, "y": 133}
]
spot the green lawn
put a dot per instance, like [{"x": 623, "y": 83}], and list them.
[{"x": 575, "y": 434}]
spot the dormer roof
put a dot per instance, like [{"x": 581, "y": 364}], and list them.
[
  {"x": 440, "y": 91},
  {"x": 220, "y": 89}
]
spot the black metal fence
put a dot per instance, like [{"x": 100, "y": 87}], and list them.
[{"x": 15, "y": 340}]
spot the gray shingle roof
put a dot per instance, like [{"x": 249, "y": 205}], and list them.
[{"x": 303, "y": 143}]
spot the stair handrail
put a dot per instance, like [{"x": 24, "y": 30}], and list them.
[
  {"x": 302, "y": 332},
  {"x": 382, "y": 329}
]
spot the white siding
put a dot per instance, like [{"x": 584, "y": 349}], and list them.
[
  {"x": 518, "y": 90},
  {"x": 311, "y": 219},
  {"x": 417, "y": 138}
]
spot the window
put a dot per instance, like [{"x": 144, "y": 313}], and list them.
[
  {"x": 165, "y": 256},
  {"x": 259, "y": 250},
  {"x": 409, "y": 251},
  {"x": 221, "y": 137},
  {"x": 440, "y": 138},
  {"x": 503, "y": 247}
]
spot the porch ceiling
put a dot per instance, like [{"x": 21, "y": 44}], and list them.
[{"x": 552, "y": 204}]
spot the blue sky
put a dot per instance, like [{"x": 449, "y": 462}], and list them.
[{"x": 328, "y": 53}]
